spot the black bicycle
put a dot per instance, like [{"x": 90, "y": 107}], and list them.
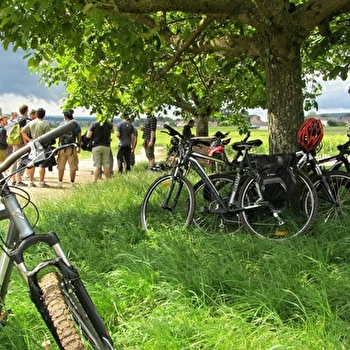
[
  {"x": 226, "y": 199},
  {"x": 331, "y": 178},
  {"x": 54, "y": 284}
]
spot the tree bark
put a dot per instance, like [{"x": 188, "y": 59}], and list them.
[
  {"x": 202, "y": 123},
  {"x": 284, "y": 93}
]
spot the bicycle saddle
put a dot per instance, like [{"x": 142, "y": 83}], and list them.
[{"x": 245, "y": 145}]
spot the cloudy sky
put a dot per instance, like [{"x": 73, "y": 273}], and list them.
[{"x": 18, "y": 86}]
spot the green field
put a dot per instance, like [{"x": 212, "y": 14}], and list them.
[{"x": 333, "y": 136}]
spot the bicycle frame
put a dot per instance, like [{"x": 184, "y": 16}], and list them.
[
  {"x": 340, "y": 159},
  {"x": 309, "y": 158},
  {"x": 188, "y": 158}
]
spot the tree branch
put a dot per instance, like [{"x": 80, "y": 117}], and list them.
[{"x": 204, "y": 23}]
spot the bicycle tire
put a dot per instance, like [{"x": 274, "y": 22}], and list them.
[
  {"x": 74, "y": 330},
  {"x": 297, "y": 214},
  {"x": 339, "y": 182},
  {"x": 207, "y": 221},
  {"x": 181, "y": 203}
]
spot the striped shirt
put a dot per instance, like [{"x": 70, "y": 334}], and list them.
[{"x": 150, "y": 125}]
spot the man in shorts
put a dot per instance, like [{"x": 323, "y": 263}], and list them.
[
  {"x": 70, "y": 154},
  {"x": 31, "y": 131},
  {"x": 100, "y": 132},
  {"x": 149, "y": 137}
]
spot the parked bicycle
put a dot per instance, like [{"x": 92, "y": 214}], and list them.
[
  {"x": 224, "y": 200},
  {"x": 54, "y": 284},
  {"x": 217, "y": 150},
  {"x": 332, "y": 185}
]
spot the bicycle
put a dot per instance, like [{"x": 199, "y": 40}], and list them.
[
  {"x": 332, "y": 185},
  {"x": 217, "y": 150},
  {"x": 54, "y": 284},
  {"x": 170, "y": 200}
]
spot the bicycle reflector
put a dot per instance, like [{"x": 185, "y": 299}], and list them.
[{"x": 310, "y": 134}]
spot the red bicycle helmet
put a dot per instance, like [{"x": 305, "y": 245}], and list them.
[{"x": 310, "y": 134}]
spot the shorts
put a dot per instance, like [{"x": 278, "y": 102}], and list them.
[
  {"x": 101, "y": 156},
  {"x": 70, "y": 156},
  {"x": 149, "y": 150}
]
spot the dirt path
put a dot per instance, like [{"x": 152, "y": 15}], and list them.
[{"x": 83, "y": 176}]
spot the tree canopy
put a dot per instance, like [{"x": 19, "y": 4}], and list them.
[{"x": 199, "y": 57}]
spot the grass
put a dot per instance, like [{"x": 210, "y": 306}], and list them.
[
  {"x": 176, "y": 288},
  {"x": 179, "y": 289}
]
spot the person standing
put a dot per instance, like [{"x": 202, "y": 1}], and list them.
[
  {"x": 22, "y": 120},
  {"x": 186, "y": 131},
  {"x": 100, "y": 132},
  {"x": 149, "y": 137},
  {"x": 3, "y": 137},
  {"x": 70, "y": 154},
  {"x": 36, "y": 128},
  {"x": 126, "y": 136},
  {"x": 132, "y": 156}
]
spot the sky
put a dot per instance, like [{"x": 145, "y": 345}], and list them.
[{"x": 18, "y": 86}]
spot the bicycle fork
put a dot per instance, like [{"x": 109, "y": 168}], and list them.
[{"x": 70, "y": 277}]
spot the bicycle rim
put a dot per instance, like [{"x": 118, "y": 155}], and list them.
[
  {"x": 169, "y": 202},
  {"x": 339, "y": 183},
  {"x": 280, "y": 220},
  {"x": 208, "y": 222},
  {"x": 73, "y": 327}
]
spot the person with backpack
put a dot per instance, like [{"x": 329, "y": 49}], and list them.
[
  {"x": 36, "y": 128},
  {"x": 126, "y": 136},
  {"x": 100, "y": 132},
  {"x": 15, "y": 128},
  {"x": 70, "y": 154}
]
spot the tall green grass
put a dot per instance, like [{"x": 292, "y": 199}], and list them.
[{"x": 176, "y": 288}]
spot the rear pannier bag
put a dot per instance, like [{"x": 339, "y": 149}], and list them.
[{"x": 276, "y": 176}]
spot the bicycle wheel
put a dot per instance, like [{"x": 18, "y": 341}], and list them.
[
  {"x": 73, "y": 328},
  {"x": 282, "y": 220},
  {"x": 338, "y": 208},
  {"x": 210, "y": 222},
  {"x": 170, "y": 201}
]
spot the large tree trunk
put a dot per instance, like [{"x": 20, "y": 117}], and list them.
[
  {"x": 202, "y": 122},
  {"x": 284, "y": 93}
]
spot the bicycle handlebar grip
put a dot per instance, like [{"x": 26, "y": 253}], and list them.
[{"x": 57, "y": 132}]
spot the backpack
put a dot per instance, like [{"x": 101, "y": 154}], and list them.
[
  {"x": 86, "y": 144},
  {"x": 276, "y": 176},
  {"x": 14, "y": 138},
  {"x": 67, "y": 138}
]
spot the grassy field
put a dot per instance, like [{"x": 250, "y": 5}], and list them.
[
  {"x": 333, "y": 136},
  {"x": 179, "y": 289}
]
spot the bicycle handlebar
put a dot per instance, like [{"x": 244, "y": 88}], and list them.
[
  {"x": 172, "y": 131},
  {"x": 44, "y": 140}
]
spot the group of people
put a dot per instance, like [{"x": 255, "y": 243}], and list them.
[
  {"x": 32, "y": 126},
  {"x": 100, "y": 132},
  {"x": 127, "y": 135}
]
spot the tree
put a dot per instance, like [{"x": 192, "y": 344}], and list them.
[{"x": 153, "y": 47}]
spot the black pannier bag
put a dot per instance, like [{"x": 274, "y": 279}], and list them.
[{"x": 276, "y": 176}]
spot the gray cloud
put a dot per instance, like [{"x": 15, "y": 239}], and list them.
[{"x": 16, "y": 78}]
